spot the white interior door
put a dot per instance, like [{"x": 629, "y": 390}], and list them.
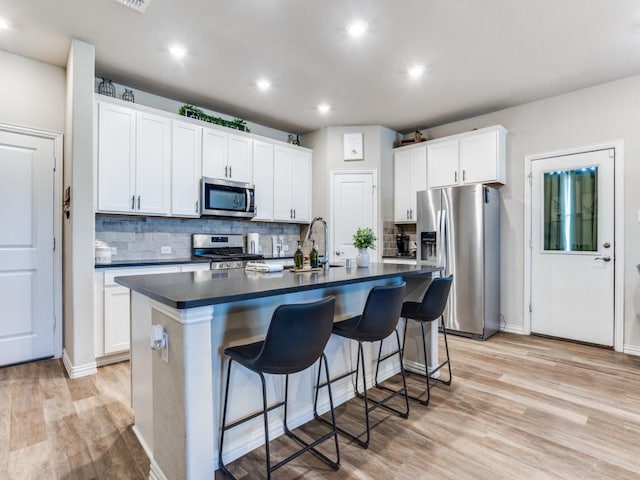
[
  {"x": 572, "y": 245},
  {"x": 354, "y": 201},
  {"x": 26, "y": 248}
]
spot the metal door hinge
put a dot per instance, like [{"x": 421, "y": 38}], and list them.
[
  {"x": 55, "y": 163},
  {"x": 530, "y": 244},
  {"x": 54, "y": 243},
  {"x": 530, "y": 177},
  {"x": 530, "y": 308}
]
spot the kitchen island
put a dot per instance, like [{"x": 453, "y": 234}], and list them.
[{"x": 177, "y": 391}]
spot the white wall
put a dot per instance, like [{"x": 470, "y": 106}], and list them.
[
  {"x": 32, "y": 93},
  {"x": 594, "y": 115},
  {"x": 79, "y": 228}
]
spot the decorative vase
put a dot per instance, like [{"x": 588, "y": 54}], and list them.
[{"x": 362, "y": 259}]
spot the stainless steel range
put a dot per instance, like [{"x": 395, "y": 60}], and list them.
[{"x": 224, "y": 251}]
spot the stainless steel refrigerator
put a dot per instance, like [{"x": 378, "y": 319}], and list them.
[{"x": 459, "y": 230}]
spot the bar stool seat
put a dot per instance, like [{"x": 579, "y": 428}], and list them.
[
  {"x": 295, "y": 340},
  {"x": 430, "y": 309},
  {"x": 378, "y": 320}
]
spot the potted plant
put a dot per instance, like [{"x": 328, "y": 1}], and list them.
[{"x": 363, "y": 239}]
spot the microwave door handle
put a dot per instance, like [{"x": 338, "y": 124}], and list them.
[{"x": 248, "y": 200}]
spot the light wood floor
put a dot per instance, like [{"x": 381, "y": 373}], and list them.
[{"x": 518, "y": 408}]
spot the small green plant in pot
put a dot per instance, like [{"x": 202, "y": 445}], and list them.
[{"x": 364, "y": 239}]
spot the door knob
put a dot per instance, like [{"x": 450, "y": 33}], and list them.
[
  {"x": 605, "y": 258},
  {"x": 606, "y": 245},
  {"x": 337, "y": 252}
]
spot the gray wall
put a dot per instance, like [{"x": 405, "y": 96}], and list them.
[
  {"x": 585, "y": 117},
  {"x": 328, "y": 155},
  {"x": 168, "y": 105},
  {"x": 32, "y": 93}
]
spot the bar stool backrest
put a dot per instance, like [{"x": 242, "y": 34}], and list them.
[
  {"x": 435, "y": 299},
  {"x": 381, "y": 312},
  {"x": 297, "y": 336}
]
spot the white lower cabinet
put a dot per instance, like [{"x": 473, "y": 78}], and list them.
[{"x": 112, "y": 308}]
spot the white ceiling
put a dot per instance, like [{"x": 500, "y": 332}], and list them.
[{"x": 481, "y": 55}]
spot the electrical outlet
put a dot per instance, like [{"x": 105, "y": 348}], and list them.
[
  {"x": 114, "y": 250},
  {"x": 285, "y": 248},
  {"x": 165, "y": 250}
]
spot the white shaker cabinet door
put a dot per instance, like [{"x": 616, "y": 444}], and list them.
[
  {"x": 116, "y": 319},
  {"x": 239, "y": 158},
  {"x": 418, "y": 181},
  {"x": 186, "y": 169},
  {"x": 116, "y": 158},
  {"x": 401, "y": 186},
  {"x": 214, "y": 153},
  {"x": 263, "y": 179},
  {"x": 301, "y": 186},
  {"x": 478, "y": 155},
  {"x": 153, "y": 164},
  {"x": 442, "y": 164},
  {"x": 282, "y": 184}
]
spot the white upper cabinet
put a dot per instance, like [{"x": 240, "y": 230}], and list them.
[
  {"x": 134, "y": 152},
  {"x": 301, "y": 188},
  {"x": 186, "y": 169},
  {"x": 239, "y": 158},
  {"x": 214, "y": 153},
  {"x": 410, "y": 176},
  {"x": 153, "y": 156},
  {"x": 263, "y": 179},
  {"x": 225, "y": 155},
  {"x": 292, "y": 185},
  {"x": 472, "y": 157},
  {"x": 116, "y": 158}
]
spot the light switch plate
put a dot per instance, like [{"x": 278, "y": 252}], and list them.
[{"x": 165, "y": 250}]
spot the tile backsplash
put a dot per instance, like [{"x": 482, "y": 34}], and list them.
[
  {"x": 141, "y": 238},
  {"x": 390, "y": 248}
]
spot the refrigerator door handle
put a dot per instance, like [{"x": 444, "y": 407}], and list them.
[{"x": 440, "y": 245}]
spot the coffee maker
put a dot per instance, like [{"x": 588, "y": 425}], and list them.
[{"x": 402, "y": 243}]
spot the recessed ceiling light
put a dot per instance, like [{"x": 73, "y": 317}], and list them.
[
  {"x": 177, "y": 51},
  {"x": 263, "y": 84},
  {"x": 4, "y": 24},
  {"x": 324, "y": 108},
  {"x": 357, "y": 29},
  {"x": 416, "y": 71}
]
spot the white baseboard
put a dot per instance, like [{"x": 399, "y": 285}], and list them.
[
  {"x": 77, "y": 371},
  {"x": 155, "y": 472},
  {"x": 518, "y": 329},
  {"x": 114, "y": 358},
  {"x": 144, "y": 444},
  {"x": 631, "y": 350}
]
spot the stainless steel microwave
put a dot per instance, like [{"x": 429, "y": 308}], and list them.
[{"x": 226, "y": 198}]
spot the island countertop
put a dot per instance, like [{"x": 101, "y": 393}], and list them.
[{"x": 198, "y": 289}]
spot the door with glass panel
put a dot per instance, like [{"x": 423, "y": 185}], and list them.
[{"x": 572, "y": 262}]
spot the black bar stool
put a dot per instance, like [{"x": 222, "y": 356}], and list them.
[
  {"x": 295, "y": 340},
  {"x": 378, "y": 320},
  {"x": 430, "y": 309}
]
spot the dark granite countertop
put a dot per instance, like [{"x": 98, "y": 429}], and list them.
[
  {"x": 150, "y": 262},
  {"x": 197, "y": 289}
]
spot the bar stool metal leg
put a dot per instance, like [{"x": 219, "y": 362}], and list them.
[
  {"x": 221, "y": 464},
  {"x": 403, "y": 391}
]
